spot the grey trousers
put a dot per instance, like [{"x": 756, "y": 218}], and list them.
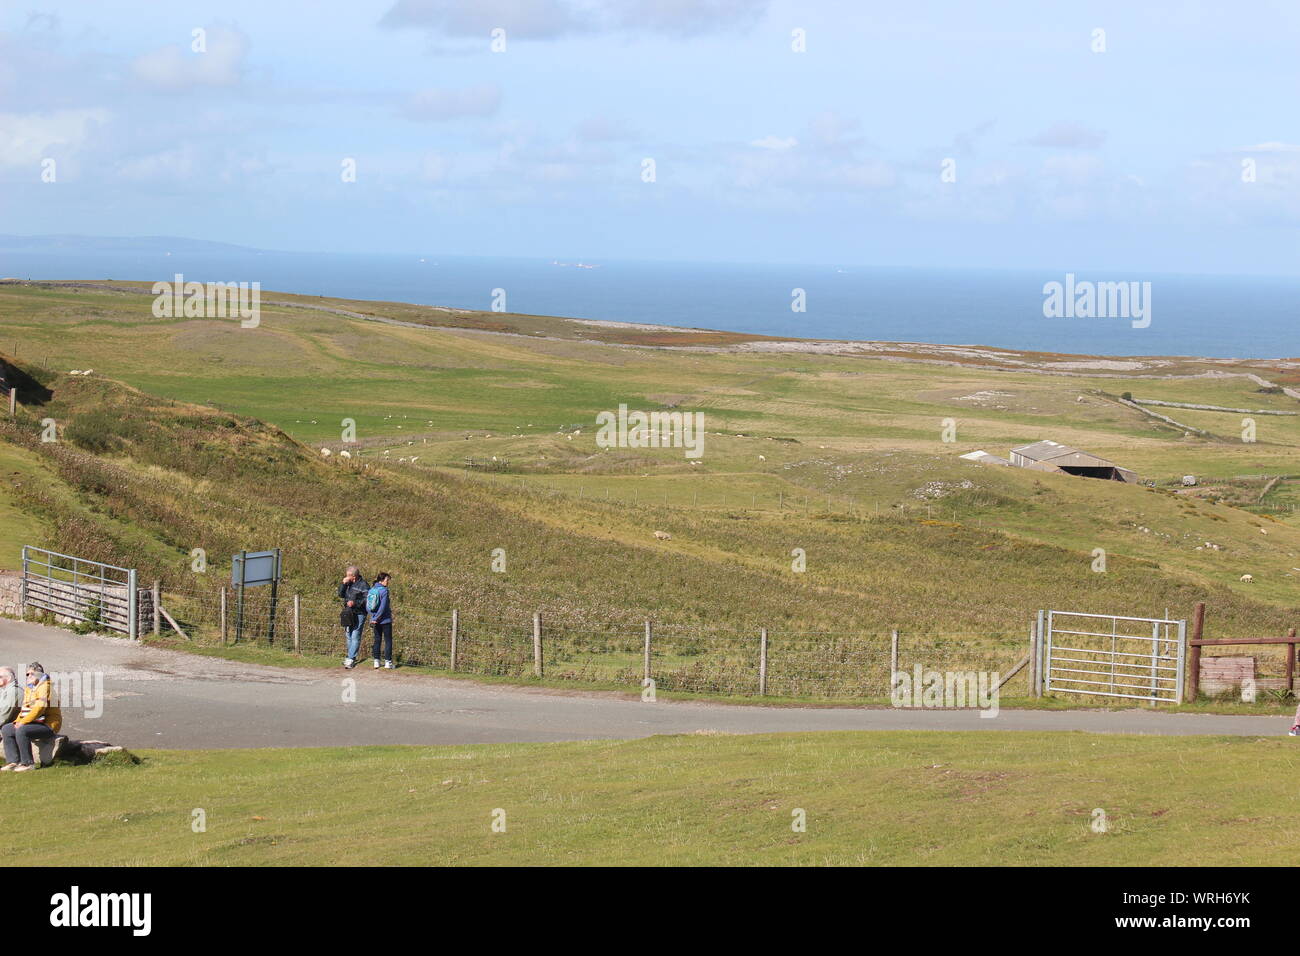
[{"x": 18, "y": 740}]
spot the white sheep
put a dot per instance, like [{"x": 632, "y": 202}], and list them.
[
  {"x": 1248, "y": 578},
  {"x": 325, "y": 452},
  {"x": 663, "y": 536},
  {"x": 345, "y": 454}
]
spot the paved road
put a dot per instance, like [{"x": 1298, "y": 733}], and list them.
[{"x": 160, "y": 698}]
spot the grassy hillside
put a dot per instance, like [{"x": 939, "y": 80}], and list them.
[
  {"x": 920, "y": 799},
  {"x": 214, "y": 442}
]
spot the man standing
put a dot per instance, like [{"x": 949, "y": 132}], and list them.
[
  {"x": 352, "y": 592},
  {"x": 380, "y": 607}
]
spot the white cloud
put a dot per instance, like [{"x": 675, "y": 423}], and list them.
[
  {"x": 548, "y": 19},
  {"x": 27, "y": 138},
  {"x": 775, "y": 142},
  {"x": 434, "y": 105},
  {"x": 1069, "y": 136},
  {"x": 1270, "y": 147},
  {"x": 434, "y": 167},
  {"x": 602, "y": 129},
  {"x": 1073, "y": 168},
  {"x": 169, "y": 165},
  {"x": 175, "y": 69}
]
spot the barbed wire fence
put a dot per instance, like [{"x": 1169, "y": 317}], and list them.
[{"x": 697, "y": 659}]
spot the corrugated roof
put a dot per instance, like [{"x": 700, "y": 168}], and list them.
[
  {"x": 984, "y": 458},
  {"x": 1061, "y": 455}
]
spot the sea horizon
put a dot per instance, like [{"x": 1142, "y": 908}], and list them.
[{"x": 1211, "y": 316}]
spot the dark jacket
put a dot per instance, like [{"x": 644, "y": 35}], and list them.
[{"x": 354, "y": 591}]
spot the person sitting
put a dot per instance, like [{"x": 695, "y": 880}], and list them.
[
  {"x": 39, "y": 719},
  {"x": 11, "y": 697}
]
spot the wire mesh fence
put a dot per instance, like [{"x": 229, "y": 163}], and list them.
[{"x": 689, "y": 658}]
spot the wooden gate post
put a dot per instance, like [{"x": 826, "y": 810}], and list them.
[
  {"x": 157, "y": 605},
  {"x": 893, "y": 659},
  {"x": 223, "y": 614},
  {"x": 1290, "y": 662},
  {"x": 762, "y": 664},
  {"x": 1033, "y": 659},
  {"x": 297, "y": 619},
  {"x": 645, "y": 664},
  {"x": 537, "y": 645},
  {"x": 1194, "y": 661},
  {"x": 455, "y": 635}
]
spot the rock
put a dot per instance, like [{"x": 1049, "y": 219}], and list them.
[{"x": 89, "y": 751}]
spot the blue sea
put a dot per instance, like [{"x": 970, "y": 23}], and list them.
[{"x": 1216, "y": 316}]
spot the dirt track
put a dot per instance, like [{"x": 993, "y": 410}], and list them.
[{"x": 170, "y": 699}]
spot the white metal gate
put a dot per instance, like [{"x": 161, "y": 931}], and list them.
[
  {"x": 88, "y": 591},
  {"x": 1140, "y": 658}
]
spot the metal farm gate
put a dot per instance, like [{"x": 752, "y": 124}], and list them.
[
  {"x": 87, "y": 591},
  {"x": 1140, "y": 658}
]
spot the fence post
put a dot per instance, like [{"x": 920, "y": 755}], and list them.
[
  {"x": 537, "y": 645},
  {"x": 1033, "y": 660},
  {"x": 1290, "y": 662},
  {"x": 297, "y": 618},
  {"x": 13, "y": 401},
  {"x": 223, "y": 614},
  {"x": 1040, "y": 677},
  {"x": 762, "y": 664},
  {"x": 157, "y": 605},
  {"x": 649, "y": 631},
  {"x": 455, "y": 635},
  {"x": 22, "y": 588},
  {"x": 132, "y": 607},
  {"x": 1194, "y": 661},
  {"x": 893, "y": 658}
]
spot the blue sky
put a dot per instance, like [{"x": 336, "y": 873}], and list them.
[{"x": 1065, "y": 158}]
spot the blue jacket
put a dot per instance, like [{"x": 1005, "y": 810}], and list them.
[{"x": 383, "y": 612}]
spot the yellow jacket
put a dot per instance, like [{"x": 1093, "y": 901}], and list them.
[{"x": 39, "y": 706}]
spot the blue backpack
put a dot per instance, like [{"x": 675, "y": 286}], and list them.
[{"x": 373, "y": 598}]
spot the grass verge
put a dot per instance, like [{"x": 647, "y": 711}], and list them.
[{"x": 881, "y": 798}]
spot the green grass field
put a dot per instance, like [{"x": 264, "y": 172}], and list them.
[
  {"x": 987, "y": 799},
  {"x": 839, "y": 456}
]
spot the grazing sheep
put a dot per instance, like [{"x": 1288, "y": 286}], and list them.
[
  {"x": 325, "y": 452},
  {"x": 345, "y": 454},
  {"x": 663, "y": 536},
  {"x": 1248, "y": 578}
]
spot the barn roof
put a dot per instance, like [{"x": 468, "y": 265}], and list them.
[
  {"x": 1061, "y": 456},
  {"x": 984, "y": 458}
]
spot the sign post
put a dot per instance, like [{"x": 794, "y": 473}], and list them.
[{"x": 252, "y": 569}]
